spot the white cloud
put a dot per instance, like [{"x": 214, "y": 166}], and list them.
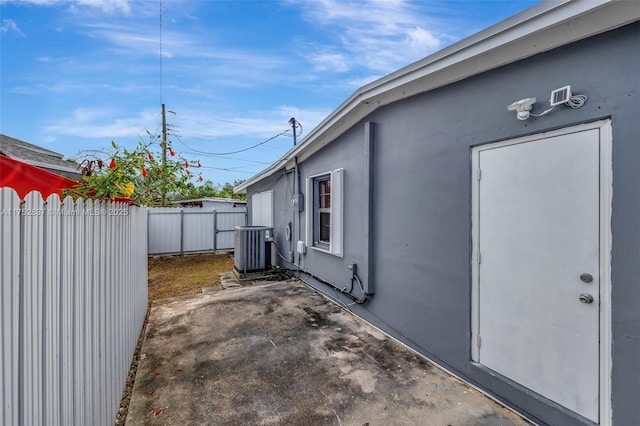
[
  {"x": 419, "y": 38},
  {"x": 134, "y": 40},
  {"x": 145, "y": 41},
  {"x": 9, "y": 25},
  {"x": 384, "y": 17},
  {"x": 107, "y": 6},
  {"x": 334, "y": 62},
  {"x": 380, "y": 35},
  {"x": 91, "y": 123}
]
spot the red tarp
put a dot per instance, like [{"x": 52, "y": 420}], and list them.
[{"x": 25, "y": 178}]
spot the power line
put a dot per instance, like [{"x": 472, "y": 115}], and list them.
[
  {"x": 227, "y": 170},
  {"x": 188, "y": 151},
  {"x": 235, "y": 168},
  {"x": 228, "y": 121},
  {"x": 233, "y": 152}
]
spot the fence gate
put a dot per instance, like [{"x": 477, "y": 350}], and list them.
[{"x": 179, "y": 231}]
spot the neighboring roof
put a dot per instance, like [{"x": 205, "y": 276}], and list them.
[
  {"x": 543, "y": 27},
  {"x": 219, "y": 200},
  {"x": 37, "y": 156}
]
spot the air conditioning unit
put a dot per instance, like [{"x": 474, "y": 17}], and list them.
[{"x": 251, "y": 252}]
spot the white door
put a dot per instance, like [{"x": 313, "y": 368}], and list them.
[
  {"x": 537, "y": 242},
  {"x": 262, "y": 209}
]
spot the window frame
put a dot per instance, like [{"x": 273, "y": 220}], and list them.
[
  {"x": 335, "y": 210},
  {"x": 321, "y": 191}
]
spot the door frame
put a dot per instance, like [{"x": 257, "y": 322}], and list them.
[{"x": 606, "y": 192}]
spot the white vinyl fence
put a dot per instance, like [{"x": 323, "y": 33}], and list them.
[
  {"x": 185, "y": 230},
  {"x": 73, "y": 298}
]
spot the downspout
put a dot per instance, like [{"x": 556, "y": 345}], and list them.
[
  {"x": 296, "y": 201},
  {"x": 298, "y": 207},
  {"x": 369, "y": 193}
]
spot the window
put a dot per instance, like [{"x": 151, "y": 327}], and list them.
[
  {"x": 324, "y": 212},
  {"x": 322, "y": 234}
]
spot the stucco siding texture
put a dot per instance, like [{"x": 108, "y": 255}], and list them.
[{"x": 422, "y": 206}]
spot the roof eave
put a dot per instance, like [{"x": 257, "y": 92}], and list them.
[
  {"x": 221, "y": 200},
  {"x": 58, "y": 167}
]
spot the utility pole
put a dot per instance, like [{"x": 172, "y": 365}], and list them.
[
  {"x": 293, "y": 123},
  {"x": 164, "y": 156}
]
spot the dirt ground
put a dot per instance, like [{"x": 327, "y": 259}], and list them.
[{"x": 173, "y": 276}]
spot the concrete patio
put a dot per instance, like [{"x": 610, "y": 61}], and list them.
[{"x": 280, "y": 353}]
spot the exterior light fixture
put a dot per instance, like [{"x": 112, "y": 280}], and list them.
[{"x": 522, "y": 107}]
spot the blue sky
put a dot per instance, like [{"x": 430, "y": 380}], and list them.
[{"x": 76, "y": 75}]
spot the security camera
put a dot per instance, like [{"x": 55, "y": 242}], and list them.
[{"x": 522, "y": 107}]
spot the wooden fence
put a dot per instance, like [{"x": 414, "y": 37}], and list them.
[{"x": 73, "y": 298}]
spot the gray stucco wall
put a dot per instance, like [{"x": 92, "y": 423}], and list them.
[{"x": 422, "y": 206}]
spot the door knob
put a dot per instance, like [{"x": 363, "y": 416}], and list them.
[
  {"x": 586, "y": 298},
  {"x": 587, "y": 278}
]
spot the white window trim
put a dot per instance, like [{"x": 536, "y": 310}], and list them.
[{"x": 337, "y": 212}]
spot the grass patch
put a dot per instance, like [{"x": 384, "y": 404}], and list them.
[{"x": 173, "y": 276}]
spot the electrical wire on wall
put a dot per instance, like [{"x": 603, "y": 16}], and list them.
[
  {"x": 575, "y": 102},
  {"x": 283, "y": 221},
  {"x": 342, "y": 290},
  {"x": 358, "y": 300}
]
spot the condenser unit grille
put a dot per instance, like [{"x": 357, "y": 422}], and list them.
[{"x": 250, "y": 251}]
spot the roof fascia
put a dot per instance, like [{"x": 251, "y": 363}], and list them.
[
  {"x": 221, "y": 200},
  {"x": 42, "y": 164}
]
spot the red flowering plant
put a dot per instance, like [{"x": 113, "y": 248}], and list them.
[{"x": 141, "y": 174}]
